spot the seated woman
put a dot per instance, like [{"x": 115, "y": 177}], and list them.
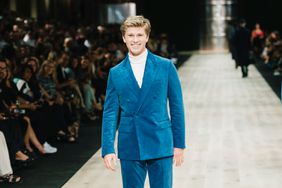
[
  {"x": 54, "y": 104},
  {"x": 9, "y": 125},
  {"x": 34, "y": 116},
  {"x": 68, "y": 86},
  {"x": 14, "y": 110},
  {"x": 84, "y": 74},
  {"x": 6, "y": 171}
]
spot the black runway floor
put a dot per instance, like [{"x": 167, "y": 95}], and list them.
[
  {"x": 52, "y": 171},
  {"x": 274, "y": 81}
]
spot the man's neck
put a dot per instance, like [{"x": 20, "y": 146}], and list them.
[
  {"x": 139, "y": 58},
  {"x": 141, "y": 54}
]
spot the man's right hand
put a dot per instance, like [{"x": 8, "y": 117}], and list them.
[{"x": 110, "y": 161}]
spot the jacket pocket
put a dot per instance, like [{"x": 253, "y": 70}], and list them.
[{"x": 164, "y": 124}]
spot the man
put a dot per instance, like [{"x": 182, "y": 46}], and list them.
[
  {"x": 243, "y": 47},
  {"x": 230, "y": 33},
  {"x": 140, "y": 86}
]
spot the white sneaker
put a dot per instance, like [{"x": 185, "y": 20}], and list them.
[
  {"x": 276, "y": 73},
  {"x": 48, "y": 148}
]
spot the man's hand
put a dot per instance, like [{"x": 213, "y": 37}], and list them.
[
  {"x": 110, "y": 161},
  {"x": 178, "y": 156}
]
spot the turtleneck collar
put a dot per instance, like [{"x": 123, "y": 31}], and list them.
[{"x": 140, "y": 58}]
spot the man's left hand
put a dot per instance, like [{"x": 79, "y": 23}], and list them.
[{"x": 178, "y": 156}]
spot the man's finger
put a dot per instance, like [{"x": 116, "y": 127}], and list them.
[{"x": 178, "y": 160}]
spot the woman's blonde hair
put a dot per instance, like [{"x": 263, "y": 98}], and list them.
[
  {"x": 43, "y": 65},
  {"x": 136, "y": 21}
]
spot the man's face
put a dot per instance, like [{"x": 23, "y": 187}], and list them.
[
  {"x": 3, "y": 70},
  {"x": 27, "y": 74},
  {"x": 135, "y": 39}
]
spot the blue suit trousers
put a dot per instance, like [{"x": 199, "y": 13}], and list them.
[{"x": 159, "y": 171}]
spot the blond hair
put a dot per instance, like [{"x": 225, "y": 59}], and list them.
[
  {"x": 43, "y": 65},
  {"x": 136, "y": 21}
]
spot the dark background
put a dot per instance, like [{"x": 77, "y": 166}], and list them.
[{"x": 180, "y": 19}]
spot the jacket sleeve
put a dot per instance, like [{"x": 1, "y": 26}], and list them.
[
  {"x": 176, "y": 107},
  {"x": 110, "y": 115}
]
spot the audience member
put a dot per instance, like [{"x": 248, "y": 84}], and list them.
[{"x": 6, "y": 171}]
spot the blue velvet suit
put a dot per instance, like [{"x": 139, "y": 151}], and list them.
[{"x": 147, "y": 129}]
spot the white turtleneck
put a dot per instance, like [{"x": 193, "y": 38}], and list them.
[{"x": 138, "y": 66}]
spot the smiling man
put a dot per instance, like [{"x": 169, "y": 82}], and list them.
[{"x": 150, "y": 138}]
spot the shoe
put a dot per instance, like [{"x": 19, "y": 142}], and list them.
[
  {"x": 49, "y": 149},
  {"x": 74, "y": 129},
  {"x": 31, "y": 154},
  {"x": 63, "y": 137},
  {"x": 276, "y": 73},
  {"x": 93, "y": 117},
  {"x": 11, "y": 179},
  {"x": 22, "y": 163}
]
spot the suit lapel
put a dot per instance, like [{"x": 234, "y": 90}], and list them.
[
  {"x": 148, "y": 78},
  {"x": 130, "y": 79}
]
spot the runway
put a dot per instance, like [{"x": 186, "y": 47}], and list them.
[{"x": 233, "y": 131}]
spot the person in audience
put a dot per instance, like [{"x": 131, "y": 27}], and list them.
[
  {"x": 257, "y": 38},
  {"x": 68, "y": 86},
  {"x": 272, "y": 50},
  {"x": 10, "y": 123},
  {"x": 84, "y": 76},
  {"x": 29, "y": 90},
  {"x": 57, "y": 124},
  {"x": 15, "y": 101},
  {"x": 99, "y": 83},
  {"x": 6, "y": 171}
]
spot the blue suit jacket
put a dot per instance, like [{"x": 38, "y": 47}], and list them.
[{"x": 146, "y": 130}]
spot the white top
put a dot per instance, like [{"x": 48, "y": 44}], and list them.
[{"x": 138, "y": 64}]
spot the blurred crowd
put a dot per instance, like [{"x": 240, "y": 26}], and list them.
[{"x": 261, "y": 46}]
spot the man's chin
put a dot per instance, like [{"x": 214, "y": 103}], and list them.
[{"x": 136, "y": 52}]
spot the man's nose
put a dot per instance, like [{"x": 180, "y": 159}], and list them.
[{"x": 135, "y": 38}]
